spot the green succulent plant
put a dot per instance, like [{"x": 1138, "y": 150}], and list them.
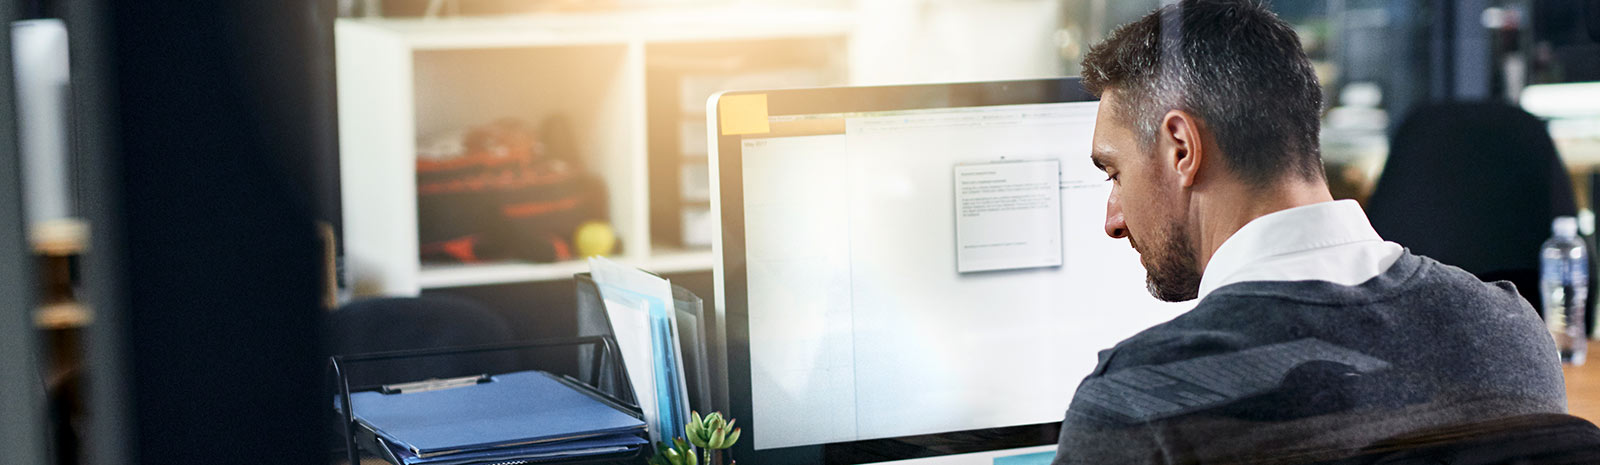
[
  {"x": 677, "y": 454},
  {"x": 711, "y": 432}
]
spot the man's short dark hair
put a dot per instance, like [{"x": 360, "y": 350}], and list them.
[{"x": 1233, "y": 64}]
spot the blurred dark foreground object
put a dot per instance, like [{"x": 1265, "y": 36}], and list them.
[
  {"x": 1540, "y": 439},
  {"x": 1474, "y": 185}
]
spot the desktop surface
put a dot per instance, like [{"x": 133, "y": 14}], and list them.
[{"x": 1583, "y": 391}]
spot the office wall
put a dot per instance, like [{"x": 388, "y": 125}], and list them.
[{"x": 915, "y": 41}]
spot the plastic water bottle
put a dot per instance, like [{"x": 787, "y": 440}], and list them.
[{"x": 1564, "y": 284}]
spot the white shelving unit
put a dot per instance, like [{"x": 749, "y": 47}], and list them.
[{"x": 399, "y": 79}]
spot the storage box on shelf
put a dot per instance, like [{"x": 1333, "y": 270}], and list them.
[{"x": 405, "y": 80}]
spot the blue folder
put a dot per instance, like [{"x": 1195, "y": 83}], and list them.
[
  {"x": 512, "y": 409},
  {"x": 531, "y": 453}
]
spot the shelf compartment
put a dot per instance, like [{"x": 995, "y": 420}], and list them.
[{"x": 403, "y": 81}]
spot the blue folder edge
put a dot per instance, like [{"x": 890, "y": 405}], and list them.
[
  {"x": 536, "y": 452},
  {"x": 390, "y": 441},
  {"x": 616, "y": 422}
]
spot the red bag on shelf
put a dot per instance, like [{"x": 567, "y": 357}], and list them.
[{"x": 503, "y": 198}]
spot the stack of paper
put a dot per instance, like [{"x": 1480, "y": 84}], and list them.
[
  {"x": 515, "y": 416},
  {"x": 640, "y": 308}
]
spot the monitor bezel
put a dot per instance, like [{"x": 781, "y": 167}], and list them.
[{"x": 732, "y": 296}]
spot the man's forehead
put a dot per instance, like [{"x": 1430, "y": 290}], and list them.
[
  {"x": 1110, "y": 107},
  {"x": 1103, "y": 152},
  {"x": 1108, "y": 94},
  {"x": 1107, "y": 110}
]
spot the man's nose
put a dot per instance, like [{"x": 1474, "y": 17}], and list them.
[{"x": 1115, "y": 226}]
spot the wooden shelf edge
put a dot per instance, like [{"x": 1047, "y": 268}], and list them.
[
  {"x": 444, "y": 276},
  {"x": 615, "y": 27}
]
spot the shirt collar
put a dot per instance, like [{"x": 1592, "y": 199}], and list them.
[{"x": 1283, "y": 232}]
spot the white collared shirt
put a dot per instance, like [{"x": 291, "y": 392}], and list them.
[{"x": 1328, "y": 241}]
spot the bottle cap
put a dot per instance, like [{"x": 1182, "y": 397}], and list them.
[{"x": 1564, "y": 226}]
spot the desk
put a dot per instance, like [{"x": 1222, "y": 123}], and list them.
[
  {"x": 1583, "y": 390},
  {"x": 1583, "y": 397}
]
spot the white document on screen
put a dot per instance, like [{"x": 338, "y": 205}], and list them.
[
  {"x": 865, "y": 322},
  {"x": 1008, "y": 215}
]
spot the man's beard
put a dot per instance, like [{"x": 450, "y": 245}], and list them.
[{"x": 1171, "y": 273}]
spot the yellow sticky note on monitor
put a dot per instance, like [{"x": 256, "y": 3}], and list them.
[{"x": 743, "y": 114}]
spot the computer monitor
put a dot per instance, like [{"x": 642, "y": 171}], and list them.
[{"x": 911, "y": 271}]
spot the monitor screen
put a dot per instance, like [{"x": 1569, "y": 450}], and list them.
[{"x": 920, "y": 270}]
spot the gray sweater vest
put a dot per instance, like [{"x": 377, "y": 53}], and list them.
[{"x": 1278, "y": 371}]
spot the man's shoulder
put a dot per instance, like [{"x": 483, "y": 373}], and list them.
[
  {"x": 1449, "y": 279},
  {"x": 1412, "y": 280},
  {"x": 1277, "y": 362},
  {"x": 1253, "y": 314}
]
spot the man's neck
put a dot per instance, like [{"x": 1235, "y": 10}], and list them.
[{"x": 1221, "y": 212}]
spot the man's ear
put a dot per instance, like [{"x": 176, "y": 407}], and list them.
[{"x": 1180, "y": 133}]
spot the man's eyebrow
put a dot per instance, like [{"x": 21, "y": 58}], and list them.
[{"x": 1100, "y": 158}]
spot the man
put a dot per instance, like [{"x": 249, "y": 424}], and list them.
[{"x": 1312, "y": 337}]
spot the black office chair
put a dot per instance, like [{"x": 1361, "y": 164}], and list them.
[
  {"x": 1473, "y": 185},
  {"x": 1536, "y": 439},
  {"x": 429, "y": 322}
]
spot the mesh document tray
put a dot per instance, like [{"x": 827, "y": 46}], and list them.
[{"x": 600, "y": 360}]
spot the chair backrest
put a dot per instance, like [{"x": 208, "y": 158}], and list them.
[
  {"x": 1473, "y": 185},
  {"x": 429, "y": 322},
  {"x": 1523, "y": 439}
]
